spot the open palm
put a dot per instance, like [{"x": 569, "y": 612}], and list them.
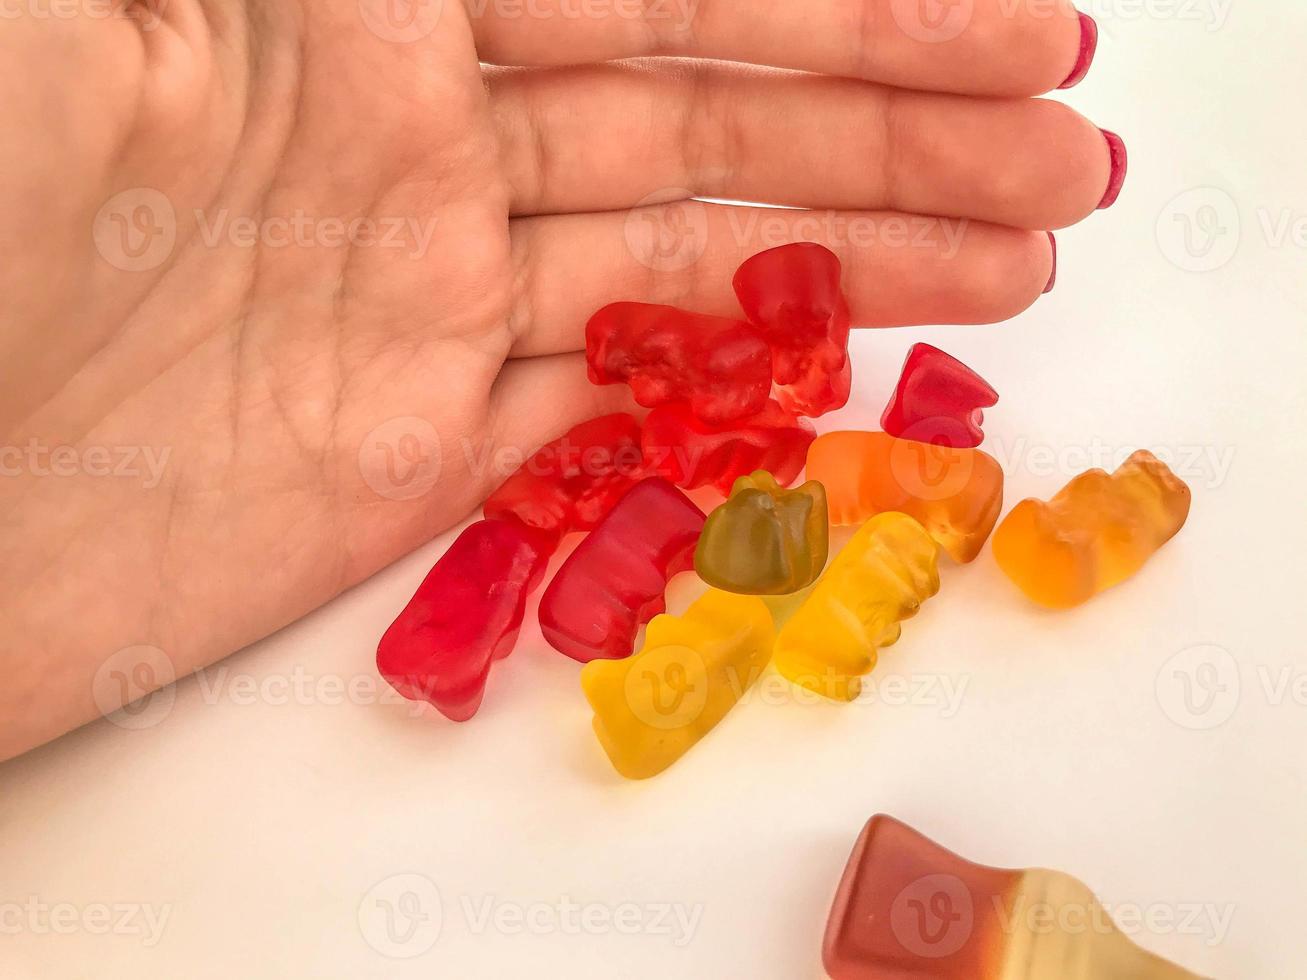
[{"x": 291, "y": 285}]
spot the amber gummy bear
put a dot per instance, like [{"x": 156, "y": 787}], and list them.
[
  {"x": 1095, "y": 533},
  {"x": 907, "y": 909},
  {"x": 955, "y": 494}
]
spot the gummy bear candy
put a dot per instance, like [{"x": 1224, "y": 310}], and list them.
[
  {"x": 792, "y": 295},
  {"x": 721, "y": 367},
  {"x": 1095, "y": 533},
  {"x": 691, "y": 453},
  {"x": 881, "y": 577},
  {"x": 570, "y": 484},
  {"x": 615, "y": 579},
  {"x": 765, "y": 540},
  {"x": 652, "y": 708},
  {"x": 956, "y": 494},
  {"x": 907, "y": 909},
  {"x": 938, "y": 400},
  {"x": 465, "y": 615}
]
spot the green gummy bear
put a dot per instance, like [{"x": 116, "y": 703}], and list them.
[{"x": 765, "y": 539}]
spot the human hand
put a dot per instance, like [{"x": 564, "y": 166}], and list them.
[{"x": 284, "y": 279}]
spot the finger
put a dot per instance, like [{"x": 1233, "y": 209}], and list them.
[
  {"x": 536, "y": 400},
  {"x": 601, "y": 138},
  {"x": 984, "y": 47},
  {"x": 899, "y": 269}
]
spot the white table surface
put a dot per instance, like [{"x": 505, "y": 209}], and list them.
[{"x": 259, "y": 827}]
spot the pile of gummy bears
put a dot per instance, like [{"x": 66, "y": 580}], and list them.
[{"x": 729, "y": 406}]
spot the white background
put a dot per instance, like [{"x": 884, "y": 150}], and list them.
[{"x": 260, "y": 825}]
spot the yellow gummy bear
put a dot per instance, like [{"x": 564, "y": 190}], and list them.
[
  {"x": 1095, "y": 533},
  {"x": 882, "y": 577},
  {"x": 653, "y": 707}
]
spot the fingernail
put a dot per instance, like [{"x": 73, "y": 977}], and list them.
[
  {"x": 1052, "y": 278},
  {"x": 1088, "y": 47},
  {"x": 1120, "y": 160}
]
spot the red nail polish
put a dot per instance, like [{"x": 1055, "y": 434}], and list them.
[
  {"x": 1088, "y": 47},
  {"x": 1052, "y": 278},
  {"x": 1120, "y": 160}
]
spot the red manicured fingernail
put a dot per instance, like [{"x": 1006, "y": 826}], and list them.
[
  {"x": 1088, "y": 47},
  {"x": 1120, "y": 160},
  {"x": 1052, "y": 278}
]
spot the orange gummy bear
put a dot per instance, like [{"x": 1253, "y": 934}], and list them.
[
  {"x": 955, "y": 494},
  {"x": 1095, "y": 533}
]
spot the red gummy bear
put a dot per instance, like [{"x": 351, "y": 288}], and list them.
[
  {"x": 465, "y": 615},
  {"x": 570, "y": 484},
  {"x": 721, "y": 367},
  {"x": 792, "y": 295},
  {"x": 692, "y": 454},
  {"x": 615, "y": 579},
  {"x": 938, "y": 400}
]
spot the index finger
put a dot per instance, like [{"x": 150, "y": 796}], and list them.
[{"x": 977, "y": 47}]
